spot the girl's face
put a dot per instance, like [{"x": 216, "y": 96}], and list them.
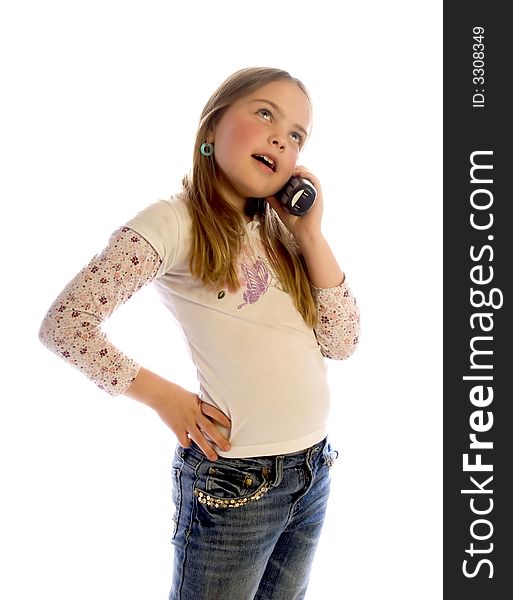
[{"x": 274, "y": 121}]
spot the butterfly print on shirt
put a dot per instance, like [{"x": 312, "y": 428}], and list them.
[{"x": 257, "y": 278}]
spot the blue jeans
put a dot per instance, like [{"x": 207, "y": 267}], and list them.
[{"x": 247, "y": 528}]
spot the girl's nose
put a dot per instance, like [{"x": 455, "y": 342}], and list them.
[{"x": 278, "y": 141}]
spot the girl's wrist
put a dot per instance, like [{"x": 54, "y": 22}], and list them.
[{"x": 151, "y": 389}]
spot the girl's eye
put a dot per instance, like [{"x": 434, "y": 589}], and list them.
[
  {"x": 265, "y": 110},
  {"x": 299, "y": 137}
]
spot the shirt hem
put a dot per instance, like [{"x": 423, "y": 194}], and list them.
[{"x": 275, "y": 449}]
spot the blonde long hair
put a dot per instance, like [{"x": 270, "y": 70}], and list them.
[{"x": 218, "y": 228}]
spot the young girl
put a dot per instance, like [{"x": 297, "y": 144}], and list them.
[{"x": 261, "y": 300}]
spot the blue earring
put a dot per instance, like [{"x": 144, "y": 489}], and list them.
[{"x": 207, "y": 149}]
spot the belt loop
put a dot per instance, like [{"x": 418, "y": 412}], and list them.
[
  {"x": 278, "y": 469},
  {"x": 315, "y": 449}
]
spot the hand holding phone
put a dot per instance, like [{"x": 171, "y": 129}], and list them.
[{"x": 297, "y": 196}]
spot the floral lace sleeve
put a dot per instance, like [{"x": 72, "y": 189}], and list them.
[
  {"x": 339, "y": 321},
  {"x": 71, "y": 327}
]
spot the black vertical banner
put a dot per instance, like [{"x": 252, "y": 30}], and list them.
[{"x": 478, "y": 332}]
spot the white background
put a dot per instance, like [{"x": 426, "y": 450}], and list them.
[{"x": 100, "y": 105}]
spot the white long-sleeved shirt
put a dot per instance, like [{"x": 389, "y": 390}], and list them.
[{"x": 256, "y": 358}]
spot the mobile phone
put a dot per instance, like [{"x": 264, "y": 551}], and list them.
[{"x": 297, "y": 196}]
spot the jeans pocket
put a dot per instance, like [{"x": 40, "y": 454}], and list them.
[{"x": 228, "y": 485}]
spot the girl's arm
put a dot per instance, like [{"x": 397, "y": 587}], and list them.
[
  {"x": 339, "y": 317},
  {"x": 72, "y": 329},
  {"x": 338, "y": 330},
  {"x": 72, "y": 326},
  {"x": 323, "y": 269}
]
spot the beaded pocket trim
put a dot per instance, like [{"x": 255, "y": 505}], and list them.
[{"x": 209, "y": 500}]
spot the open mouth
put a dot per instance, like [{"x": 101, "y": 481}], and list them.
[{"x": 264, "y": 159}]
